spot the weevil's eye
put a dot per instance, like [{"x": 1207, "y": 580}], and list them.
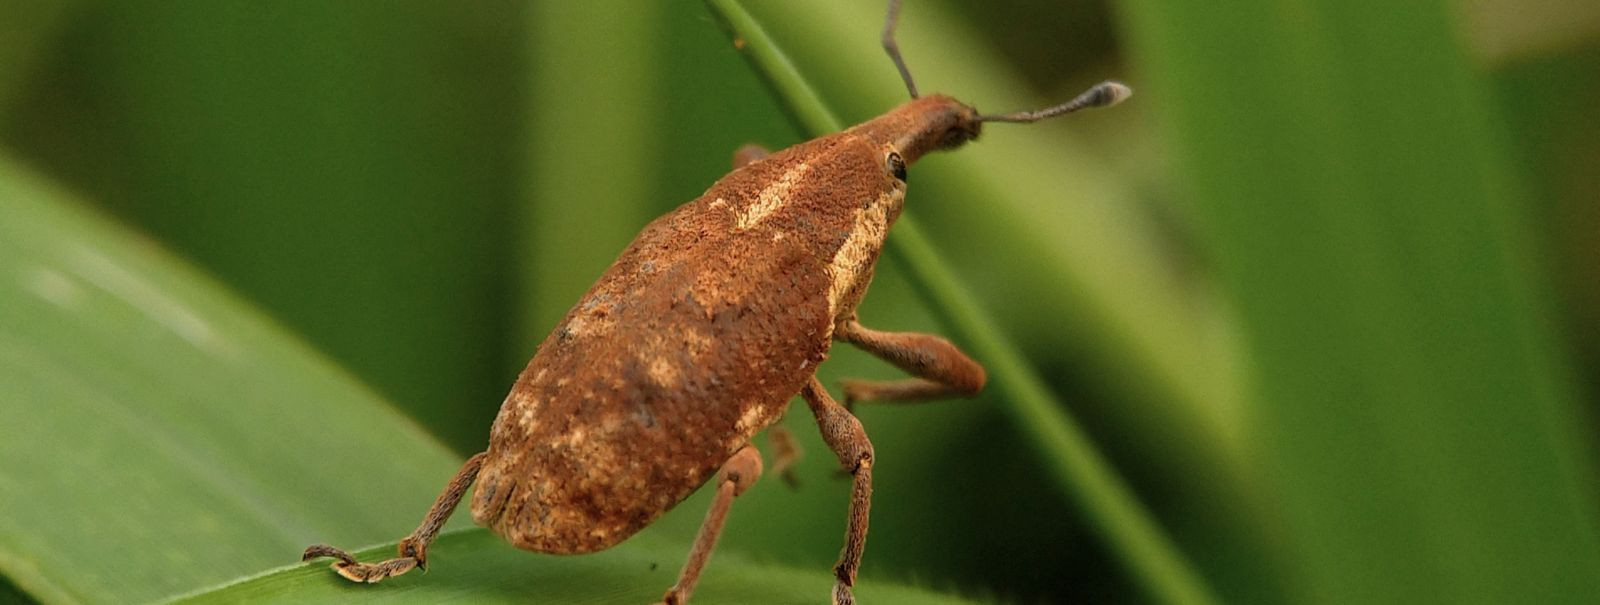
[{"x": 897, "y": 166}]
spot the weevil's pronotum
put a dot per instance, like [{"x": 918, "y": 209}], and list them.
[{"x": 698, "y": 336}]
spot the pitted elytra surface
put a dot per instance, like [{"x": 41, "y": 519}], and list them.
[{"x": 694, "y": 340}]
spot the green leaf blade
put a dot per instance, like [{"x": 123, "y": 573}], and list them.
[
  {"x": 161, "y": 435},
  {"x": 476, "y": 566},
  {"x": 1414, "y": 413}
]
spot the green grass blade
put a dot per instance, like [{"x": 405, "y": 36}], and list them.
[
  {"x": 1131, "y": 532},
  {"x": 476, "y": 566},
  {"x": 159, "y": 434},
  {"x": 11, "y": 595},
  {"x": 1414, "y": 411}
]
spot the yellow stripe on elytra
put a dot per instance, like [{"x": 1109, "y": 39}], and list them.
[
  {"x": 771, "y": 198},
  {"x": 853, "y": 259}
]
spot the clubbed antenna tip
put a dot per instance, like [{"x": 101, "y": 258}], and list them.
[{"x": 1104, "y": 94}]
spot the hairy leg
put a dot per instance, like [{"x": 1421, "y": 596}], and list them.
[
  {"x": 738, "y": 473},
  {"x": 844, "y": 435},
  {"x": 940, "y": 368}
]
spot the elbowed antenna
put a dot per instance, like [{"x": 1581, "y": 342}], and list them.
[
  {"x": 1104, "y": 94},
  {"x": 893, "y": 49}
]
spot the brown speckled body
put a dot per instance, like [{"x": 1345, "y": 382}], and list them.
[{"x": 697, "y": 337}]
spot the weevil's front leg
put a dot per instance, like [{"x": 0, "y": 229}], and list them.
[
  {"x": 738, "y": 473},
  {"x": 413, "y": 548},
  {"x": 849, "y": 442},
  {"x": 748, "y": 154},
  {"x": 941, "y": 369}
]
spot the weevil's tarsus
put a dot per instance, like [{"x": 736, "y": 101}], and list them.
[
  {"x": 893, "y": 48},
  {"x": 356, "y": 571},
  {"x": 318, "y": 551},
  {"x": 738, "y": 473},
  {"x": 785, "y": 453},
  {"x": 1104, "y": 94},
  {"x": 848, "y": 440},
  {"x": 413, "y": 549}
]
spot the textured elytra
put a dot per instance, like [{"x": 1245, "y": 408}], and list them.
[{"x": 698, "y": 336}]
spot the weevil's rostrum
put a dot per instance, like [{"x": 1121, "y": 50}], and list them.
[{"x": 697, "y": 338}]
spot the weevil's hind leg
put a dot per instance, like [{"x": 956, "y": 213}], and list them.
[
  {"x": 738, "y": 473},
  {"x": 413, "y": 548},
  {"x": 941, "y": 369},
  {"x": 748, "y": 154},
  {"x": 785, "y": 453},
  {"x": 849, "y": 442}
]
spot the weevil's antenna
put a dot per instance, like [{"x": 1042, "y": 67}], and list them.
[
  {"x": 1104, "y": 94},
  {"x": 894, "y": 49}
]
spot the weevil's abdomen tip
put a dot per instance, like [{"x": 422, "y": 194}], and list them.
[{"x": 1111, "y": 92}]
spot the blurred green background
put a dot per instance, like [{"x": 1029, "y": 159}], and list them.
[{"x": 1323, "y": 294}]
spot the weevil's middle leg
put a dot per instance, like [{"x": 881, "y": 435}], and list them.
[
  {"x": 413, "y": 548},
  {"x": 941, "y": 369},
  {"x": 785, "y": 453},
  {"x": 849, "y": 442},
  {"x": 738, "y": 473}
]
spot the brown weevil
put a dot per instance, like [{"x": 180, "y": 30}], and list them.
[{"x": 698, "y": 336}]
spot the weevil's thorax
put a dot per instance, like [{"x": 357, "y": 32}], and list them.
[
  {"x": 813, "y": 194},
  {"x": 830, "y": 200},
  {"x": 835, "y": 197}
]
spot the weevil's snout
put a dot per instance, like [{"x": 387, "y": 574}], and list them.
[
  {"x": 924, "y": 125},
  {"x": 964, "y": 125}
]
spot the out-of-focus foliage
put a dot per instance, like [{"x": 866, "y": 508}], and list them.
[
  {"x": 1414, "y": 413},
  {"x": 1323, "y": 293}
]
